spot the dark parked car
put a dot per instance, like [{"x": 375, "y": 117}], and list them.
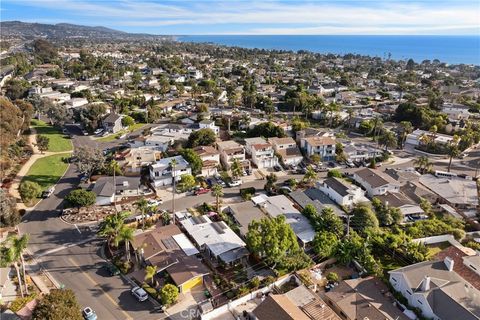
[{"x": 111, "y": 269}]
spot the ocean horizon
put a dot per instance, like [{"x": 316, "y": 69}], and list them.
[{"x": 448, "y": 49}]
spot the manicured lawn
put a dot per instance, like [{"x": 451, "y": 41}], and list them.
[
  {"x": 47, "y": 171},
  {"x": 115, "y": 136},
  {"x": 58, "y": 141}
]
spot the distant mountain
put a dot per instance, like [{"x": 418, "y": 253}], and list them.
[{"x": 61, "y": 31}]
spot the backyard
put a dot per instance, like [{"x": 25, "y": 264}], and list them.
[{"x": 58, "y": 141}]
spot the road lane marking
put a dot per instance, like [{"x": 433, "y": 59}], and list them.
[
  {"x": 78, "y": 229},
  {"x": 89, "y": 277},
  {"x": 66, "y": 246}
]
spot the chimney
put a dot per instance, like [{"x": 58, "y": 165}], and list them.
[
  {"x": 448, "y": 263},
  {"x": 426, "y": 283}
]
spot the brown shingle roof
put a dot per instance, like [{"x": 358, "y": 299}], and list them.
[
  {"x": 458, "y": 266},
  {"x": 278, "y": 307},
  {"x": 375, "y": 178}
]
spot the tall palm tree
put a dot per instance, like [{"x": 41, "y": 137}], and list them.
[
  {"x": 423, "y": 164},
  {"x": 236, "y": 168},
  {"x": 217, "y": 192},
  {"x": 142, "y": 206},
  {"x": 453, "y": 150},
  {"x": 406, "y": 129},
  {"x": 173, "y": 164},
  {"x": 150, "y": 272},
  {"x": 125, "y": 235},
  {"x": 111, "y": 225},
  {"x": 15, "y": 256},
  {"x": 388, "y": 140},
  {"x": 310, "y": 175}
]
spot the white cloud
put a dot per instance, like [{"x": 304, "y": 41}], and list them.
[{"x": 320, "y": 17}]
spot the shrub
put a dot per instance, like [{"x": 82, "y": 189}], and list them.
[
  {"x": 332, "y": 276},
  {"x": 29, "y": 190},
  {"x": 81, "y": 198},
  {"x": 151, "y": 291},
  {"x": 20, "y": 302},
  {"x": 169, "y": 294},
  {"x": 247, "y": 193}
]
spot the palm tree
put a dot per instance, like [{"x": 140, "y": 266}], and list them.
[
  {"x": 271, "y": 179},
  {"x": 217, "y": 192},
  {"x": 349, "y": 119},
  {"x": 111, "y": 225},
  {"x": 388, "y": 140},
  {"x": 125, "y": 235},
  {"x": 453, "y": 150},
  {"x": 310, "y": 175},
  {"x": 377, "y": 126},
  {"x": 423, "y": 164},
  {"x": 173, "y": 164},
  {"x": 150, "y": 272},
  {"x": 142, "y": 206},
  {"x": 406, "y": 129},
  {"x": 236, "y": 168},
  {"x": 15, "y": 255}
]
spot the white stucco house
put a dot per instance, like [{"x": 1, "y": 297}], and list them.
[
  {"x": 376, "y": 182},
  {"x": 162, "y": 173},
  {"x": 343, "y": 193}
]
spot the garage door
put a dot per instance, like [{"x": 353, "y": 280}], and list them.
[{"x": 191, "y": 283}]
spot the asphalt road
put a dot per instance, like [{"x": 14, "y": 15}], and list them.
[{"x": 72, "y": 255}]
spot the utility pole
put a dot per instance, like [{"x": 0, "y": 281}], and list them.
[
  {"x": 348, "y": 225},
  {"x": 173, "y": 164}
]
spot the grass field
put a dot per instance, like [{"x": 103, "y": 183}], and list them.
[
  {"x": 115, "y": 136},
  {"x": 58, "y": 141},
  {"x": 47, "y": 171}
]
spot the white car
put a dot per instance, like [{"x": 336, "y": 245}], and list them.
[
  {"x": 140, "y": 294},
  {"x": 235, "y": 183},
  {"x": 154, "y": 202}
]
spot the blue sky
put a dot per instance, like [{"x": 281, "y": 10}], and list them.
[{"x": 256, "y": 17}]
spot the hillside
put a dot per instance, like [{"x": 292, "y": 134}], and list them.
[{"x": 27, "y": 31}]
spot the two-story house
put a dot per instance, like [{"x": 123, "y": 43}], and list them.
[
  {"x": 133, "y": 160},
  {"x": 287, "y": 149},
  {"x": 210, "y": 160},
  {"x": 262, "y": 153},
  {"x": 112, "y": 123},
  {"x": 343, "y": 193},
  {"x": 322, "y": 146},
  {"x": 231, "y": 150},
  {"x": 164, "y": 170},
  {"x": 376, "y": 182},
  {"x": 209, "y": 124}
]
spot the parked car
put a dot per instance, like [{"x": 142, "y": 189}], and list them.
[
  {"x": 140, "y": 294},
  {"x": 98, "y": 131},
  {"x": 235, "y": 183},
  {"x": 154, "y": 202},
  {"x": 221, "y": 182},
  {"x": 331, "y": 164},
  {"x": 89, "y": 314},
  {"x": 202, "y": 191},
  {"x": 47, "y": 193},
  {"x": 65, "y": 131},
  {"x": 277, "y": 168},
  {"x": 111, "y": 269}
]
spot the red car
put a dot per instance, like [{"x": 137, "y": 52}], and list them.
[{"x": 202, "y": 191}]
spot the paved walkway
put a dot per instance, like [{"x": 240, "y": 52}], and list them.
[{"x": 32, "y": 141}]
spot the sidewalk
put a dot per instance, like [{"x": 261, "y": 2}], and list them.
[{"x": 40, "y": 277}]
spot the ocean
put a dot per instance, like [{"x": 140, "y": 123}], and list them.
[{"x": 449, "y": 49}]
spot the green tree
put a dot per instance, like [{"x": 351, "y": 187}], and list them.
[
  {"x": 406, "y": 129},
  {"x": 29, "y": 190},
  {"x": 453, "y": 151},
  {"x": 364, "y": 219},
  {"x": 17, "y": 246},
  {"x": 388, "y": 140},
  {"x": 202, "y": 137},
  {"x": 423, "y": 164},
  {"x": 351, "y": 247},
  {"x": 125, "y": 235},
  {"x": 292, "y": 183},
  {"x": 142, "y": 206},
  {"x": 59, "y": 304},
  {"x": 315, "y": 158},
  {"x": 89, "y": 159},
  {"x": 42, "y": 143},
  {"x": 334, "y": 173},
  {"x": 266, "y": 130},
  {"x": 270, "y": 184},
  {"x": 150, "y": 272},
  {"x": 128, "y": 121},
  {"x": 193, "y": 159},
  {"x": 236, "y": 168},
  {"x": 217, "y": 192},
  {"x": 187, "y": 182},
  {"x": 110, "y": 227},
  {"x": 271, "y": 239},
  {"x": 310, "y": 175},
  {"x": 81, "y": 198},
  {"x": 333, "y": 277},
  {"x": 169, "y": 294},
  {"x": 113, "y": 168},
  {"x": 329, "y": 221},
  {"x": 325, "y": 244},
  {"x": 9, "y": 215}
]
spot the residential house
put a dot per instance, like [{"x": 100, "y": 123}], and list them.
[
  {"x": 209, "y": 124},
  {"x": 409, "y": 209},
  {"x": 296, "y": 304},
  {"x": 417, "y": 137},
  {"x": 167, "y": 248},
  {"x": 364, "y": 298},
  {"x": 376, "y": 182},
  {"x": 309, "y": 132},
  {"x": 262, "y": 153},
  {"x": 108, "y": 188},
  {"x": 231, "y": 150},
  {"x": 159, "y": 142},
  {"x": 112, "y": 123},
  {"x": 360, "y": 152},
  {"x": 281, "y": 205},
  {"x": 76, "y": 102},
  {"x": 457, "y": 192},
  {"x": 162, "y": 172},
  {"x": 315, "y": 198},
  {"x": 343, "y": 193},
  {"x": 322, "y": 146},
  {"x": 287, "y": 149},
  {"x": 243, "y": 214},
  {"x": 216, "y": 239},
  {"x": 438, "y": 290},
  {"x": 210, "y": 160},
  {"x": 133, "y": 160}
]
